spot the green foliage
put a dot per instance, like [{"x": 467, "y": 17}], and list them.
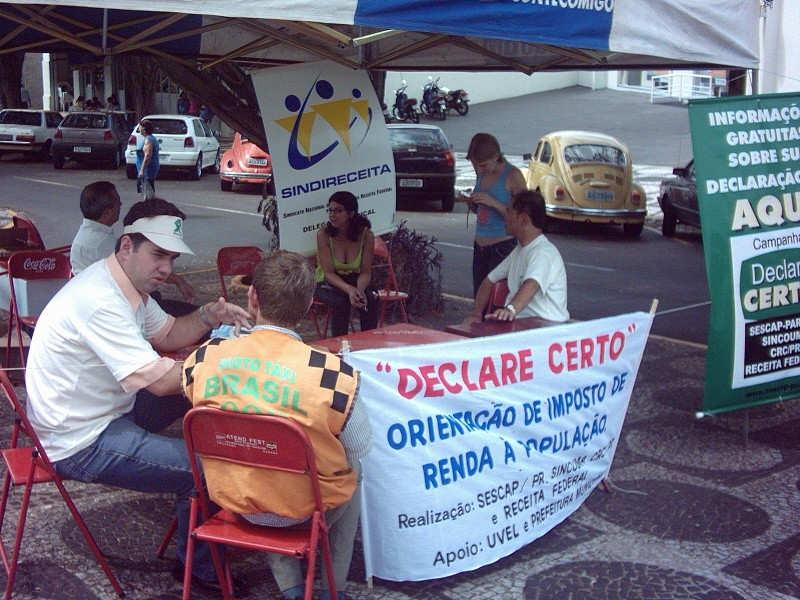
[{"x": 418, "y": 265}]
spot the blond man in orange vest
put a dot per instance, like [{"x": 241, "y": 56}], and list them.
[{"x": 271, "y": 371}]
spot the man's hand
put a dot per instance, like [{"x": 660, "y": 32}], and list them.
[
  {"x": 215, "y": 313},
  {"x": 502, "y": 314}
]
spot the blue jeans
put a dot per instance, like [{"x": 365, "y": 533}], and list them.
[
  {"x": 486, "y": 258},
  {"x": 339, "y": 304},
  {"x": 343, "y": 523},
  {"x": 129, "y": 455}
]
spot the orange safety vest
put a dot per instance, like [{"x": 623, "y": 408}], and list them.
[{"x": 271, "y": 372}]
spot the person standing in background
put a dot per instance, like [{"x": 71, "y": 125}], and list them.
[
  {"x": 183, "y": 104},
  {"x": 66, "y": 100},
  {"x": 147, "y": 164},
  {"x": 194, "y": 106},
  {"x": 497, "y": 180},
  {"x": 80, "y": 104},
  {"x": 24, "y": 96}
]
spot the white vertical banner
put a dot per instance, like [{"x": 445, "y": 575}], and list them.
[
  {"x": 483, "y": 445},
  {"x": 326, "y": 133}
]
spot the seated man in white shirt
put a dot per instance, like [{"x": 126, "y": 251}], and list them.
[
  {"x": 99, "y": 388},
  {"x": 100, "y": 205},
  {"x": 95, "y": 240},
  {"x": 537, "y": 279}
]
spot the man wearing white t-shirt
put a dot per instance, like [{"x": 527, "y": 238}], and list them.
[
  {"x": 537, "y": 279},
  {"x": 98, "y": 386}
]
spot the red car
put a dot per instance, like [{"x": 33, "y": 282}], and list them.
[{"x": 244, "y": 162}]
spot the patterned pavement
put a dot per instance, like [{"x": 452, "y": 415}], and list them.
[{"x": 697, "y": 509}]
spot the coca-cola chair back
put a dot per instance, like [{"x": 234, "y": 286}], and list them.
[
  {"x": 45, "y": 270},
  {"x": 39, "y": 264}
]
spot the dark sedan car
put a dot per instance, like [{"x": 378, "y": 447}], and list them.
[
  {"x": 678, "y": 199},
  {"x": 424, "y": 164}
]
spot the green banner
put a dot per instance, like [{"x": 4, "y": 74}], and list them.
[{"x": 747, "y": 164}]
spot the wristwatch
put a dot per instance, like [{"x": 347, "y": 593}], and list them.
[{"x": 511, "y": 309}]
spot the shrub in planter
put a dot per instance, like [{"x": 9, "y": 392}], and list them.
[{"x": 418, "y": 265}]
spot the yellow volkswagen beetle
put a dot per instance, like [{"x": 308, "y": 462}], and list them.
[{"x": 587, "y": 177}]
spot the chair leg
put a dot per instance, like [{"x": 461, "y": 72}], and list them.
[
  {"x": 383, "y": 313},
  {"x": 21, "y": 345},
  {"x": 403, "y": 310},
  {"x": 7, "y": 362},
  {"x": 23, "y": 515},
  {"x": 187, "y": 567},
  {"x": 3, "y": 506},
  {"x": 87, "y": 535},
  {"x": 173, "y": 527},
  {"x": 325, "y": 549},
  {"x": 223, "y": 570},
  {"x": 311, "y": 567}
]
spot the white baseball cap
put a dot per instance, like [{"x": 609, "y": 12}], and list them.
[{"x": 165, "y": 231}]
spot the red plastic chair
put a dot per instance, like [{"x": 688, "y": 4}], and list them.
[
  {"x": 212, "y": 433},
  {"x": 319, "y": 313},
  {"x": 31, "y": 265},
  {"x": 33, "y": 239},
  {"x": 27, "y": 466},
  {"x": 390, "y": 293},
  {"x": 24, "y": 235},
  {"x": 236, "y": 260},
  {"x": 498, "y": 297}
]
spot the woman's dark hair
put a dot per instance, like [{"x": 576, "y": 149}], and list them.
[
  {"x": 484, "y": 146},
  {"x": 358, "y": 222}
]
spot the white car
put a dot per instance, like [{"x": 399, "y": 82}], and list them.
[
  {"x": 184, "y": 142},
  {"x": 28, "y": 130}
]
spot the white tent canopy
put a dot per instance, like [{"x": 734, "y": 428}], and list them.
[{"x": 522, "y": 35}]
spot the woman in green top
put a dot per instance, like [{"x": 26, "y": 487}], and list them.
[{"x": 344, "y": 264}]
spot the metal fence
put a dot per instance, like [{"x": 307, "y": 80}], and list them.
[{"x": 680, "y": 87}]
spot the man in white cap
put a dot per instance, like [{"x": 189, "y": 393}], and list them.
[
  {"x": 96, "y": 239},
  {"x": 98, "y": 385}
]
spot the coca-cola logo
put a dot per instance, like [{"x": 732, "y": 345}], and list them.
[{"x": 40, "y": 265}]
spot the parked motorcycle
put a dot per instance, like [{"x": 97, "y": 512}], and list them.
[
  {"x": 405, "y": 108},
  {"x": 458, "y": 100},
  {"x": 433, "y": 103}
]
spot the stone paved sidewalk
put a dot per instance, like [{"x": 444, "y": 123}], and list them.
[{"x": 695, "y": 511}]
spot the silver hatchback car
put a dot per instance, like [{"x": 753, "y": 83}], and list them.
[{"x": 91, "y": 137}]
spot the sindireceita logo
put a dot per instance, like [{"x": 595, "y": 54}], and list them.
[{"x": 339, "y": 113}]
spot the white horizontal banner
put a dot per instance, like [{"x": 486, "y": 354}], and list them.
[{"x": 482, "y": 446}]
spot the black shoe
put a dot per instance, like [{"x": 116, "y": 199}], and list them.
[{"x": 209, "y": 585}]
